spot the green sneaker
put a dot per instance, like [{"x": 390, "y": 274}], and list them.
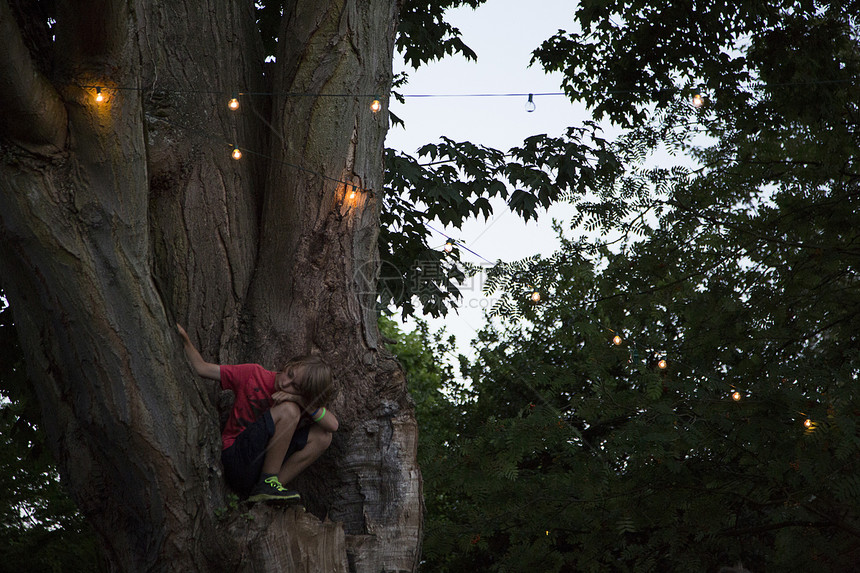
[{"x": 270, "y": 489}]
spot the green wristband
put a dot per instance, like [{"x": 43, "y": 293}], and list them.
[{"x": 317, "y": 418}]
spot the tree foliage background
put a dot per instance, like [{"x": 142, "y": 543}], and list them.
[
  {"x": 721, "y": 425},
  {"x": 41, "y": 529},
  {"x": 568, "y": 452}
]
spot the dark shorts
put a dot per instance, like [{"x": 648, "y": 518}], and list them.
[{"x": 243, "y": 461}]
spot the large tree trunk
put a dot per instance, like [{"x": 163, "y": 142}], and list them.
[
  {"x": 120, "y": 218},
  {"x": 320, "y": 250}
]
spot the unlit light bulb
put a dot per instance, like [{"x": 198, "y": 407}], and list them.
[{"x": 530, "y": 104}]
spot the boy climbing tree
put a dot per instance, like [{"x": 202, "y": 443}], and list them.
[{"x": 278, "y": 426}]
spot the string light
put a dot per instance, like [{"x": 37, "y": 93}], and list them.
[
  {"x": 698, "y": 99},
  {"x": 351, "y": 194},
  {"x": 99, "y": 95},
  {"x": 233, "y": 104},
  {"x": 617, "y": 340},
  {"x": 449, "y": 245},
  {"x": 535, "y": 296},
  {"x": 808, "y": 424},
  {"x": 662, "y": 364},
  {"x": 237, "y": 153},
  {"x": 461, "y": 246},
  {"x": 736, "y": 396}
]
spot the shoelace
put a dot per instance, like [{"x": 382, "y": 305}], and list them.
[{"x": 273, "y": 481}]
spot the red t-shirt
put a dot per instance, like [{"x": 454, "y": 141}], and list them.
[{"x": 253, "y": 386}]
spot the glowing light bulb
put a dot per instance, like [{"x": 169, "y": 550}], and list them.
[
  {"x": 617, "y": 340},
  {"x": 233, "y": 104},
  {"x": 661, "y": 364},
  {"x": 375, "y": 106},
  {"x": 237, "y": 153},
  {"x": 530, "y": 105},
  {"x": 535, "y": 297},
  {"x": 100, "y": 97},
  {"x": 351, "y": 194},
  {"x": 698, "y": 100},
  {"x": 808, "y": 423},
  {"x": 449, "y": 245},
  {"x": 736, "y": 396}
]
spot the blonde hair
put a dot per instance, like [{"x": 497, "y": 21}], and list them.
[{"x": 314, "y": 379}]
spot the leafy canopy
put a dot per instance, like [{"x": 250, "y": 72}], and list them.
[
  {"x": 740, "y": 272},
  {"x": 40, "y": 529}
]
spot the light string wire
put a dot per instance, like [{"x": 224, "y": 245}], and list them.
[
  {"x": 693, "y": 89},
  {"x": 348, "y": 184},
  {"x": 234, "y": 145},
  {"x": 661, "y": 358}
]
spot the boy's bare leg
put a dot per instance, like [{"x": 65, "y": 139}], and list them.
[
  {"x": 286, "y": 417},
  {"x": 318, "y": 442}
]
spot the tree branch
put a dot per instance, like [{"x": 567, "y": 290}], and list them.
[{"x": 34, "y": 116}]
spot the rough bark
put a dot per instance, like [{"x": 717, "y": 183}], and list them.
[
  {"x": 118, "y": 219},
  {"x": 321, "y": 254}
]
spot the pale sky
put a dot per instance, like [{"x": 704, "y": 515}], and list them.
[{"x": 503, "y": 33}]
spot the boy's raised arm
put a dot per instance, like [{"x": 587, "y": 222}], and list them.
[{"x": 203, "y": 368}]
